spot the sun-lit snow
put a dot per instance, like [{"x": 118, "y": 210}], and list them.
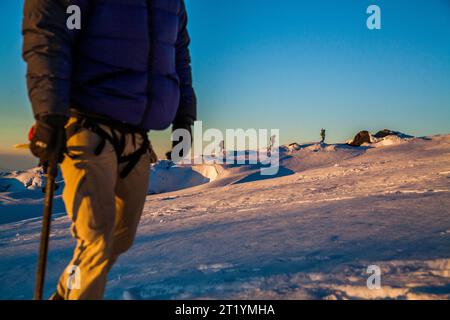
[{"x": 308, "y": 233}]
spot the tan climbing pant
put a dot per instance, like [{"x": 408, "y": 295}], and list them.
[{"x": 105, "y": 210}]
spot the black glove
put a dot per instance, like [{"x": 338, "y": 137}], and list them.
[
  {"x": 179, "y": 125},
  {"x": 48, "y": 138}
]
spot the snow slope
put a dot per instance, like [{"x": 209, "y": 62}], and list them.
[
  {"x": 21, "y": 194},
  {"x": 308, "y": 233}
]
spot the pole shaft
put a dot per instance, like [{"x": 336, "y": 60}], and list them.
[
  {"x": 52, "y": 173},
  {"x": 45, "y": 233}
]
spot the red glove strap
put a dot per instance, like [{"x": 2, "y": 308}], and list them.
[{"x": 31, "y": 133}]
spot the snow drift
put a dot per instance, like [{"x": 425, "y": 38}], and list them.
[
  {"x": 165, "y": 176},
  {"x": 32, "y": 179}
]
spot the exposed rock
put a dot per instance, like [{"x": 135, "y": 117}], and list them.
[
  {"x": 361, "y": 138},
  {"x": 386, "y": 132}
]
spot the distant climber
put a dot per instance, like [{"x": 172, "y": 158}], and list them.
[{"x": 323, "y": 133}]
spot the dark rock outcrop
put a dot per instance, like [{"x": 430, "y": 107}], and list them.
[
  {"x": 386, "y": 132},
  {"x": 360, "y": 138}
]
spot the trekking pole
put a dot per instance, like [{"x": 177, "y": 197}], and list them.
[{"x": 52, "y": 173}]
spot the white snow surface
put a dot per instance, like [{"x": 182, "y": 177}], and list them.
[
  {"x": 308, "y": 233},
  {"x": 17, "y": 181},
  {"x": 165, "y": 176}
]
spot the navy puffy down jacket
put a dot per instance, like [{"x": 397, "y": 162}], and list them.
[{"x": 130, "y": 61}]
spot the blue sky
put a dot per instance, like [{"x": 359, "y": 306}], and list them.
[{"x": 295, "y": 65}]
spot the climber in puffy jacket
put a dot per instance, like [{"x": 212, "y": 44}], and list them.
[{"x": 102, "y": 87}]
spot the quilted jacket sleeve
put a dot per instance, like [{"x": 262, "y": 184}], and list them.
[
  {"x": 187, "y": 111},
  {"x": 47, "y": 50}
]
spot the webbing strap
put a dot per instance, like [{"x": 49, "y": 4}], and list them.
[
  {"x": 117, "y": 140},
  {"x": 134, "y": 158}
]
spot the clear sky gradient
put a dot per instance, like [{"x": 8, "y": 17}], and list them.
[{"x": 295, "y": 65}]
